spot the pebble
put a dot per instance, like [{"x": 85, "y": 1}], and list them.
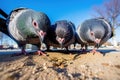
[
  {"x": 34, "y": 70},
  {"x": 1, "y": 69},
  {"x": 45, "y": 66},
  {"x": 70, "y": 75}
]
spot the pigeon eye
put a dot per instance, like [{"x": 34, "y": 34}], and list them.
[
  {"x": 92, "y": 33},
  {"x": 35, "y": 24}
]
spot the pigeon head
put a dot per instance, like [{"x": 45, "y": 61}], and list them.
[
  {"x": 96, "y": 34},
  {"x": 60, "y": 37},
  {"x": 31, "y": 23},
  {"x": 40, "y": 23},
  {"x": 64, "y": 31}
]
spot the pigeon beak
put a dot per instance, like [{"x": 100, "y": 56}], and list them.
[
  {"x": 60, "y": 40},
  {"x": 97, "y": 41},
  {"x": 41, "y": 35}
]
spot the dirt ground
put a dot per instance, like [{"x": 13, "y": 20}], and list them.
[{"x": 60, "y": 66}]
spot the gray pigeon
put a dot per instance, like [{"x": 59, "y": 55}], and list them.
[
  {"x": 61, "y": 34},
  {"x": 94, "y": 32},
  {"x": 27, "y": 26}
]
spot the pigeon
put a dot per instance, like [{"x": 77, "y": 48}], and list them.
[
  {"x": 26, "y": 26},
  {"x": 94, "y": 32},
  {"x": 61, "y": 34}
]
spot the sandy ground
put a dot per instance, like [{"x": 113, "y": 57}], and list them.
[{"x": 61, "y": 66}]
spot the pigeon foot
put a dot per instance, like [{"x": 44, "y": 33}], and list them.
[
  {"x": 41, "y": 53},
  {"x": 94, "y": 51}
]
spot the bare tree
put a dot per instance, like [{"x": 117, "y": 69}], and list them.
[{"x": 110, "y": 11}]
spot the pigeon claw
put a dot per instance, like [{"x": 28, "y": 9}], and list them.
[
  {"x": 94, "y": 51},
  {"x": 40, "y": 53}
]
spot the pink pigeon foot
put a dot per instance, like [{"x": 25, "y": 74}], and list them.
[
  {"x": 94, "y": 51},
  {"x": 40, "y": 53}
]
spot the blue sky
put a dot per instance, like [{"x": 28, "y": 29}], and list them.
[{"x": 74, "y": 10}]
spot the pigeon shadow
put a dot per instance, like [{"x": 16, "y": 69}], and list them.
[
  {"x": 107, "y": 51},
  {"x": 103, "y": 51},
  {"x": 72, "y": 51}
]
